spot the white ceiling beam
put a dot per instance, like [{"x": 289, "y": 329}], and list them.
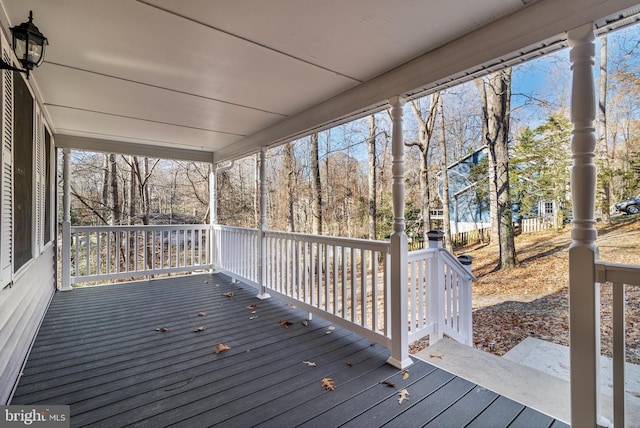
[{"x": 123, "y": 147}]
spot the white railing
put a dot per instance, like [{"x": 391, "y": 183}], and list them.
[
  {"x": 439, "y": 296},
  {"x": 236, "y": 252},
  {"x": 346, "y": 280},
  {"x": 102, "y": 253},
  {"x": 620, "y": 276}
]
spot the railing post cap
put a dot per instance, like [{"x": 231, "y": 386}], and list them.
[
  {"x": 465, "y": 259},
  {"x": 435, "y": 235}
]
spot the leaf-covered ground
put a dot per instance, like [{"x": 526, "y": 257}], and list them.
[{"x": 532, "y": 299}]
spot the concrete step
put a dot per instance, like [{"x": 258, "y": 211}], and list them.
[
  {"x": 553, "y": 359},
  {"x": 534, "y": 373},
  {"x": 533, "y": 388}
]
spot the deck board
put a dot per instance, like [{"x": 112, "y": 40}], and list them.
[{"x": 99, "y": 352}]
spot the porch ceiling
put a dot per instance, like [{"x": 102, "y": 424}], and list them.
[{"x": 228, "y": 76}]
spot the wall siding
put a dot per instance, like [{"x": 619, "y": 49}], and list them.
[{"x": 22, "y": 308}]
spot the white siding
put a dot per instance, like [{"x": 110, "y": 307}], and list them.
[{"x": 24, "y": 297}]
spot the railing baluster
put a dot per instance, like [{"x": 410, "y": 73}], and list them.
[{"x": 619, "y": 354}]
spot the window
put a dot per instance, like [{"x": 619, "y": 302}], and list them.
[{"x": 23, "y": 173}]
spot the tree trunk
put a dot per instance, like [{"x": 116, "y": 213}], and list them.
[
  {"x": 498, "y": 97},
  {"x": 426, "y": 126},
  {"x": 604, "y": 173},
  {"x": 372, "y": 177},
  {"x": 446, "y": 218},
  {"x": 289, "y": 169},
  {"x": 105, "y": 186},
  {"x": 494, "y": 235},
  {"x": 316, "y": 187},
  {"x": 115, "y": 193}
]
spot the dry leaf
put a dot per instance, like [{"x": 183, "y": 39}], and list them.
[
  {"x": 163, "y": 329},
  {"x": 634, "y": 393},
  {"x": 349, "y": 363},
  {"x": 436, "y": 355},
  {"x": 309, "y": 363},
  {"x": 252, "y": 318},
  {"x": 228, "y": 294},
  {"x": 403, "y": 395},
  {"x": 305, "y": 323},
  {"x": 388, "y": 383},
  {"x": 251, "y": 306},
  {"x": 201, "y": 314},
  {"x": 328, "y": 384},
  {"x": 221, "y": 347},
  {"x": 327, "y": 332},
  {"x": 331, "y": 327},
  {"x": 285, "y": 324},
  {"x": 201, "y": 328},
  {"x": 405, "y": 374},
  {"x": 254, "y": 312}
]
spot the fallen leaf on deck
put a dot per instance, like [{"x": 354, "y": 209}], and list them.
[
  {"x": 305, "y": 323},
  {"x": 201, "y": 328},
  {"x": 254, "y": 312},
  {"x": 251, "y": 306},
  {"x": 388, "y": 383},
  {"x": 201, "y": 314},
  {"x": 309, "y": 363},
  {"x": 328, "y": 384},
  {"x": 634, "y": 393},
  {"x": 252, "y": 318},
  {"x": 221, "y": 347},
  {"x": 436, "y": 355},
  {"x": 403, "y": 395},
  {"x": 349, "y": 363},
  {"x": 405, "y": 374},
  {"x": 285, "y": 324},
  {"x": 331, "y": 327},
  {"x": 163, "y": 329},
  {"x": 327, "y": 332},
  {"x": 228, "y": 294}
]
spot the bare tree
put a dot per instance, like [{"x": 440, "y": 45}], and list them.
[
  {"x": 316, "y": 186},
  {"x": 371, "y": 144},
  {"x": 426, "y": 128},
  {"x": 604, "y": 170},
  {"x": 495, "y": 92},
  {"x": 446, "y": 218}
]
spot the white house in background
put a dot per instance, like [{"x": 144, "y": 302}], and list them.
[{"x": 193, "y": 81}]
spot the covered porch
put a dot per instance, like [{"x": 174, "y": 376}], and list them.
[
  {"x": 98, "y": 349},
  {"x": 101, "y": 351}
]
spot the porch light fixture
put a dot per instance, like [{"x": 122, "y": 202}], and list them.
[{"x": 28, "y": 45}]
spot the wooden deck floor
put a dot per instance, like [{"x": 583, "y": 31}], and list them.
[{"x": 99, "y": 352}]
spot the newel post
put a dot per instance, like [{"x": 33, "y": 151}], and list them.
[
  {"x": 262, "y": 241},
  {"x": 584, "y": 292},
  {"x": 66, "y": 221},
  {"x": 435, "y": 286},
  {"x": 399, "y": 247},
  {"x": 466, "y": 297}
]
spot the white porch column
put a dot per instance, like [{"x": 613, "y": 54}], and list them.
[
  {"x": 262, "y": 242},
  {"x": 399, "y": 298},
  {"x": 66, "y": 221},
  {"x": 213, "y": 212},
  {"x": 584, "y": 293}
]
